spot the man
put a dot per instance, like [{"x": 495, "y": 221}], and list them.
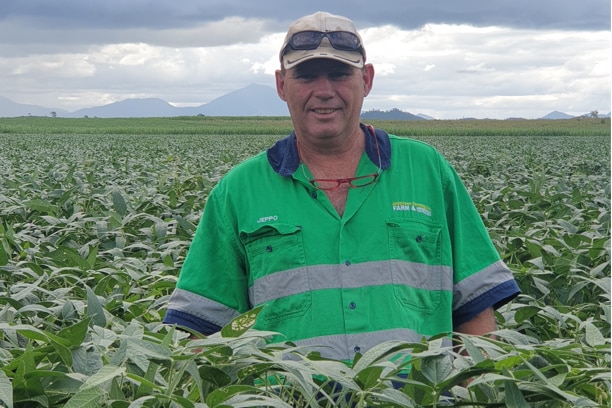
[{"x": 349, "y": 236}]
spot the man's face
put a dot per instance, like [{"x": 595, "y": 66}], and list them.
[{"x": 324, "y": 97}]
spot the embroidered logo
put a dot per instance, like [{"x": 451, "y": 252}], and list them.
[{"x": 411, "y": 206}]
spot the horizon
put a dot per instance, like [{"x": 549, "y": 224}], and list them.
[
  {"x": 197, "y": 104},
  {"x": 553, "y": 114}
]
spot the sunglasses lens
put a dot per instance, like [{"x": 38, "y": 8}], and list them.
[
  {"x": 340, "y": 40},
  {"x": 306, "y": 40}
]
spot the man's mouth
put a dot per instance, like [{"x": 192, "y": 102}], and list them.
[{"x": 324, "y": 110}]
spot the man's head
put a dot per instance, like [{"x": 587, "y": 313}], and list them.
[
  {"x": 322, "y": 35},
  {"x": 324, "y": 77}
]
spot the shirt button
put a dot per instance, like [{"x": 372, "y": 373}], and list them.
[
  {"x": 357, "y": 349},
  {"x": 419, "y": 238},
  {"x": 313, "y": 194},
  {"x": 352, "y": 305},
  {"x": 269, "y": 248},
  {"x": 347, "y": 262}
]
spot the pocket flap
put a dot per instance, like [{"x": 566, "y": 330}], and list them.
[{"x": 262, "y": 231}]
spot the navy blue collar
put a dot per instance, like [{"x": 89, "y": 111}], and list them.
[{"x": 285, "y": 160}]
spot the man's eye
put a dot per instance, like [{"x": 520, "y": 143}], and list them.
[
  {"x": 339, "y": 75},
  {"x": 305, "y": 77}
]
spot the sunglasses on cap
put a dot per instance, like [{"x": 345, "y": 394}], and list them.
[{"x": 310, "y": 40}]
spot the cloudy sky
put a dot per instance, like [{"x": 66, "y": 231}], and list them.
[{"x": 444, "y": 58}]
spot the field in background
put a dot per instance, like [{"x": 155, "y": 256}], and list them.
[
  {"x": 96, "y": 216},
  {"x": 282, "y": 126}
]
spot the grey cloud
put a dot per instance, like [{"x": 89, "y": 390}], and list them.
[
  {"x": 152, "y": 14},
  {"x": 44, "y": 27}
]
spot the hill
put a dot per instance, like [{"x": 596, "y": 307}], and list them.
[
  {"x": 393, "y": 114},
  {"x": 253, "y": 100},
  {"x": 9, "y": 108},
  {"x": 130, "y": 108},
  {"x": 557, "y": 115}
]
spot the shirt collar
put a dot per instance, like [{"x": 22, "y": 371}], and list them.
[{"x": 285, "y": 160}]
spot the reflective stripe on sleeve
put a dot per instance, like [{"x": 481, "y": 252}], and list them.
[
  {"x": 479, "y": 283},
  {"x": 201, "y": 307}
]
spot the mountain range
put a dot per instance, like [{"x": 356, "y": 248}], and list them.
[{"x": 253, "y": 100}]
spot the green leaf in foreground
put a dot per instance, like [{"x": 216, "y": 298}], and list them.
[
  {"x": 242, "y": 396},
  {"x": 86, "y": 398},
  {"x": 593, "y": 335},
  {"x": 95, "y": 309},
  {"x": 239, "y": 325},
  {"x": 76, "y": 333},
  {"x": 6, "y": 391},
  {"x": 514, "y": 398}
]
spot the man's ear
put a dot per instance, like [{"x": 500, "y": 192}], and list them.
[
  {"x": 280, "y": 84},
  {"x": 368, "y": 78}
]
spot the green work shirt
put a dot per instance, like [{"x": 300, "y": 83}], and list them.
[{"x": 409, "y": 258}]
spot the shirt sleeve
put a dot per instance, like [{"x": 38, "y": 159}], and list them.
[
  {"x": 480, "y": 278},
  {"x": 212, "y": 285}
]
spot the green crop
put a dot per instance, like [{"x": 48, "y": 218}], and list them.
[{"x": 96, "y": 217}]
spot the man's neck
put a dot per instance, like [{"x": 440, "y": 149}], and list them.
[{"x": 332, "y": 160}]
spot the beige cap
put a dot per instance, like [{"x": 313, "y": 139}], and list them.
[{"x": 322, "y": 22}]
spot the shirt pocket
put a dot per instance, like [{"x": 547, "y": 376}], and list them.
[
  {"x": 272, "y": 248},
  {"x": 276, "y": 270},
  {"x": 415, "y": 263}
]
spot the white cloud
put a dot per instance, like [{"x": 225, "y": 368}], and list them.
[
  {"x": 489, "y": 72},
  {"x": 446, "y": 71}
]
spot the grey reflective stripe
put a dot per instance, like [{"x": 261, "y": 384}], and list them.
[
  {"x": 344, "y": 346},
  {"x": 422, "y": 276},
  {"x": 480, "y": 282},
  {"x": 201, "y": 307},
  {"x": 376, "y": 273}
]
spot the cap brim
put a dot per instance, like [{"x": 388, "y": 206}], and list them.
[{"x": 292, "y": 57}]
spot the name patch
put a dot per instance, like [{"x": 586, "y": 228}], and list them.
[{"x": 267, "y": 219}]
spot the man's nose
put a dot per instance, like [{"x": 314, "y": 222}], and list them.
[{"x": 323, "y": 86}]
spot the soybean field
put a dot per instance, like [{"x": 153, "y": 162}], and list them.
[{"x": 96, "y": 217}]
